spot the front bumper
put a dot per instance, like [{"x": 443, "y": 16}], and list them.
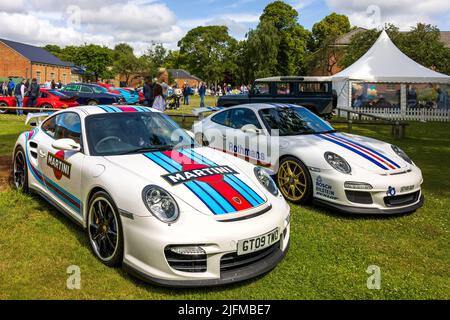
[
  {"x": 369, "y": 211},
  {"x": 146, "y": 241},
  {"x": 226, "y": 277},
  {"x": 388, "y": 194}
]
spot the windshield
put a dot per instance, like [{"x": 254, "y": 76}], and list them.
[
  {"x": 132, "y": 133},
  {"x": 294, "y": 121}
]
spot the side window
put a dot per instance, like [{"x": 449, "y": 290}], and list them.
[
  {"x": 241, "y": 117},
  {"x": 221, "y": 118},
  {"x": 86, "y": 89},
  {"x": 313, "y": 87},
  {"x": 261, "y": 89},
  {"x": 73, "y": 88},
  {"x": 44, "y": 94},
  {"x": 284, "y": 89},
  {"x": 49, "y": 127},
  {"x": 68, "y": 126}
]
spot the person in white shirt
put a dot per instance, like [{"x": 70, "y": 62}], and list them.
[{"x": 158, "y": 102}]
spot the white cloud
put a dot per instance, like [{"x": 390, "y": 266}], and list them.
[
  {"x": 403, "y": 13},
  {"x": 42, "y": 22}
]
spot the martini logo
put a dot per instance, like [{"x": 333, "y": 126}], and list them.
[
  {"x": 60, "y": 166},
  {"x": 198, "y": 172}
]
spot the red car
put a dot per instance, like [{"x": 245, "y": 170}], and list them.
[
  {"x": 108, "y": 86},
  {"x": 49, "y": 99}
]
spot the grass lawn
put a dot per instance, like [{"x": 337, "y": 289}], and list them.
[{"x": 328, "y": 257}]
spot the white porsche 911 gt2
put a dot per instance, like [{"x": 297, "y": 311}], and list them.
[
  {"x": 151, "y": 199},
  {"x": 312, "y": 161}
]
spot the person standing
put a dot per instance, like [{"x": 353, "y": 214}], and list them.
[
  {"x": 33, "y": 93},
  {"x": 186, "y": 93},
  {"x": 11, "y": 86},
  {"x": 158, "y": 102},
  {"x": 19, "y": 94},
  {"x": 59, "y": 85},
  {"x": 53, "y": 85},
  {"x": 202, "y": 93},
  {"x": 148, "y": 92}
]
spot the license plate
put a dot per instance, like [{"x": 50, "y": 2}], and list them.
[{"x": 258, "y": 243}]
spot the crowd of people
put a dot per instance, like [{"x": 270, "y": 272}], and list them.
[{"x": 20, "y": 90}]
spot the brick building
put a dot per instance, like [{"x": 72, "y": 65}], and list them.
[
  {"x": 21, "y": 60},
  {"x": 181, "y": 76}
]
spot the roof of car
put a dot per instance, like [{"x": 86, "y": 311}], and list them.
[
  {"x": 294, "y": 78},
  {"x": 259, "y": 106},
  {"x": 99, "y": 109}
]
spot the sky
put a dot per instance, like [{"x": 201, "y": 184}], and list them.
[{"x": 141, "y": 22}]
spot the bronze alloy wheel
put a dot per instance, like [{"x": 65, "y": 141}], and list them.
[{"x": 294, "y": 181}]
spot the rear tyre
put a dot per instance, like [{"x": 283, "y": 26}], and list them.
[
  {"x": 46, "y": 106},
  {"x": 104, "y": 229},
  {"x": 92, "y": 103},
  {"x": 294, "y": 181},
  {"x": 3, "y": 111},
  {"x": 20, "y": 170}
]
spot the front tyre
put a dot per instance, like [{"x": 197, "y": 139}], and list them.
[
  {"x": 104, "y": 229},
  {"x": 294, "y": 181},
  {"x": 20, "y": 170}
]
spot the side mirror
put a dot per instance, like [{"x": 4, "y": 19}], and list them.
[
  {"x": 251, "y": 129},
  {"x": 66, "y": 145}
]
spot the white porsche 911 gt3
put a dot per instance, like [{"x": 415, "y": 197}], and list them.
[
  {"x": 169, "y": 211},
  {"x": 312, "y": 161}
]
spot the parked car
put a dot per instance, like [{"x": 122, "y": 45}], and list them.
[
  {"x": 91, "y": 94},
  {"x": 48, "y": 99},
  {"x": 152, "y": 200},
  {"x": 130, "y": 96},
  {"x": 313, "y": 162},
  {"x": 313, "y": 93}
]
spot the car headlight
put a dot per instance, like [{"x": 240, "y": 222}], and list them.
[
  {"x": 160, "y": 203},
  {"x": 337, "y": 162},
  {"x": 264, "y": 178},
  {"x": 401, "y": 154}
]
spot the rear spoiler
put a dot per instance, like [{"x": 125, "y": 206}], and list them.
[
  {"x": 199, "y": 111},
  {"x": 39, "y": 116}
]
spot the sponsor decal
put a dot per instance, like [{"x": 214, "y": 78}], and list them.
[
  {"x": 249, "y": 153},
  {"x": 324, "y": 190},
  {"x": 198, "y": 172},
  {"x": 406, "y": 188},
  {"x": 221, "y": 190},
  {"x": 60, "y": 166},
  {"x": 391, "y": 191}
]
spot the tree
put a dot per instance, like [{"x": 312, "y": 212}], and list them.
[
  {"x": 260, "y": 53},
  {"x": 206, "y": 51},
  {"x": 96, "y": 59},
  {"x": 292, "y": 37},
  {"x": 125, "y": 62},
  {"x": 325, "y": 53},
  {"x": 329, "y": 28}
]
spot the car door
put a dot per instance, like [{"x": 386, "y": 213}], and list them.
[
  {"x": 215, "y": 130},
  {"x": 62, "y": 169},
  {"x": 246, "y": 138}
]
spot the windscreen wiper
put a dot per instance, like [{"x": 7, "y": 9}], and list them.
[{"x": 148, "y": 149}]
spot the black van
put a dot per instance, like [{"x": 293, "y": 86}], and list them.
[{"x": 314, "y": 93}]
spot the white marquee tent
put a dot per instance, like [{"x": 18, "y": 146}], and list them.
[{"x": 383, "y": 63}]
